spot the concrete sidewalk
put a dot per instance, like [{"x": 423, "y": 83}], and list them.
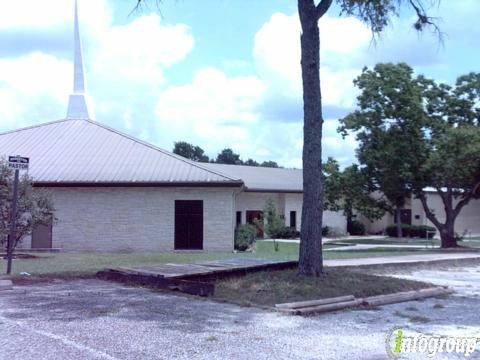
[{"x": 387, "y": 260}]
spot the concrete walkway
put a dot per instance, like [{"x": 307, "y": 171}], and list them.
[
  {"x": 357, "y": 247},
  {"x": 386, "y": 260},
  {"x": 327, "y": 240}
]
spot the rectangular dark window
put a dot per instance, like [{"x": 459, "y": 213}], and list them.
[
  {"x": 293, "y": 219},
  {"x": 239, "y": 218}
]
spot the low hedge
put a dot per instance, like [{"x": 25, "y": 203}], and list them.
[
  {"x": 355, "y": 227},
  {"x": 286, "y": 233},
  {"x": 419, "y": 231}
]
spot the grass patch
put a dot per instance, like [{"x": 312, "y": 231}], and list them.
[
  {"x": 74, "y": 265},
  {"x": 268, "y": 288}
]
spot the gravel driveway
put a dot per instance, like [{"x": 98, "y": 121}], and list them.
[{"x": 92, "y": 319}]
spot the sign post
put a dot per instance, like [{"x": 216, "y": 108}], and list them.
[{"x": 18, "y": 163}]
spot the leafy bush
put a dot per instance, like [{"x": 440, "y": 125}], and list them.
[
  {"x": 420, "y": 231},
  {"x": 391, "y": 230},
  {"x": 286, "y": 233},
  {"x": 245, "y": 236},
  {"x": 325, "y": 231},
  {"x": 355, "y": 227}
]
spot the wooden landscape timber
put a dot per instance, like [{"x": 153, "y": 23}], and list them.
[
  {"x": 406, "y": 296},
  {"x": 349, "y": 301},
  {"x": 304, "y": 304}
]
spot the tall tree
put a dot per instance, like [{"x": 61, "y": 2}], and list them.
[
  {"x": 272, "y": 164},
  {"x": 227, "y": 156},
  {"x": 388, "y": 104},
  {"x": 424, "y": 133},
  {"x": 377, "y": 15},
  {"x": 251, "y": 162},
  {"x": 189, "y": 151}
]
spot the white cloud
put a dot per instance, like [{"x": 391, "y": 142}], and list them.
[
  {"x": 277, "y": 55},
  {"x": 213, "y": 107},
  {"x": 140, "y": 50},
  {"x": 124, "y": 70},
  {"x": 216, "y": 110},
  {"x": 33, "y": 88}
]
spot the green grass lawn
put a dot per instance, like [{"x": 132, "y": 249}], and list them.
[{"x": 64, "y": 265}]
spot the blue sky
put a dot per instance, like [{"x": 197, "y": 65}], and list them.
[{"x": 216, "y": 73}]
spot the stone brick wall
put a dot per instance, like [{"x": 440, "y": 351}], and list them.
[{"x": 136, "y": 219}]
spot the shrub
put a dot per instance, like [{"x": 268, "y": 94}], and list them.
[
  {"x": 244, "y": 236},
  {"x": 274, "y": 222},
  {"x": 422, "y": 231},
  {"x": 419, "y": 231},
  {"x": 391, "y": 230},
  {"x": 355, "y": 227},
  {"x": 325, "y": 231},
  {"x": 286, "y": 233}
]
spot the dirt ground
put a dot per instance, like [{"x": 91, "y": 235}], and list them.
[{"x": 93, "y": 319}]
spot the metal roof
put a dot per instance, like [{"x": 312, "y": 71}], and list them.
[
  {"x": 87, "y": 152},
  {"x": 265, "y": 179}
]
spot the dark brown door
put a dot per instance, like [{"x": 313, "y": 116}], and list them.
[
  {"x": 188, "y": 224},
  {"x": 42, "y": 236},
  {"x": 252, "y": 216}
]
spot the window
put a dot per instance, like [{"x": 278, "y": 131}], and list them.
[
  {"x": 293, "y": 219},
  {"x": 239, "y": 218},
  {"x": 417, "y": 217}
]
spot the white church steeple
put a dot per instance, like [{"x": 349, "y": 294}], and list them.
[{"x": 77, "y": 106}]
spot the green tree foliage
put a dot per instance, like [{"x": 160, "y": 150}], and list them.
[
  {"x": 189, "y": 151},
  {"x": 34, "y": 206},
  {"x": 272, "y": 222},
  {"x": 227, "y": 156},
  {"x": 251, "y": 162},
  {"x": 389, "y": 143},
  {"x": 271, "y": 164},
  {"x": 423, "y": 134},
  {"x": 350, "y": 191}
]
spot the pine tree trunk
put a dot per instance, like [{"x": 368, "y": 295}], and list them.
[{"x": 311, "y": 261}]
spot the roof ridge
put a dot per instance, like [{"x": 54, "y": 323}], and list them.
[
  {"x": 255, "y": 167},
  {"x": 34, "y": 126},
  {"x": 165, "y": 152}
]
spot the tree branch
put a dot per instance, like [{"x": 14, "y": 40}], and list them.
[
  {"x": 428, "y": 212},
  {"x": 424, "y": 20},
  {"x": 323, "y": 7},
  {"x": 466, "y": 199}
]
